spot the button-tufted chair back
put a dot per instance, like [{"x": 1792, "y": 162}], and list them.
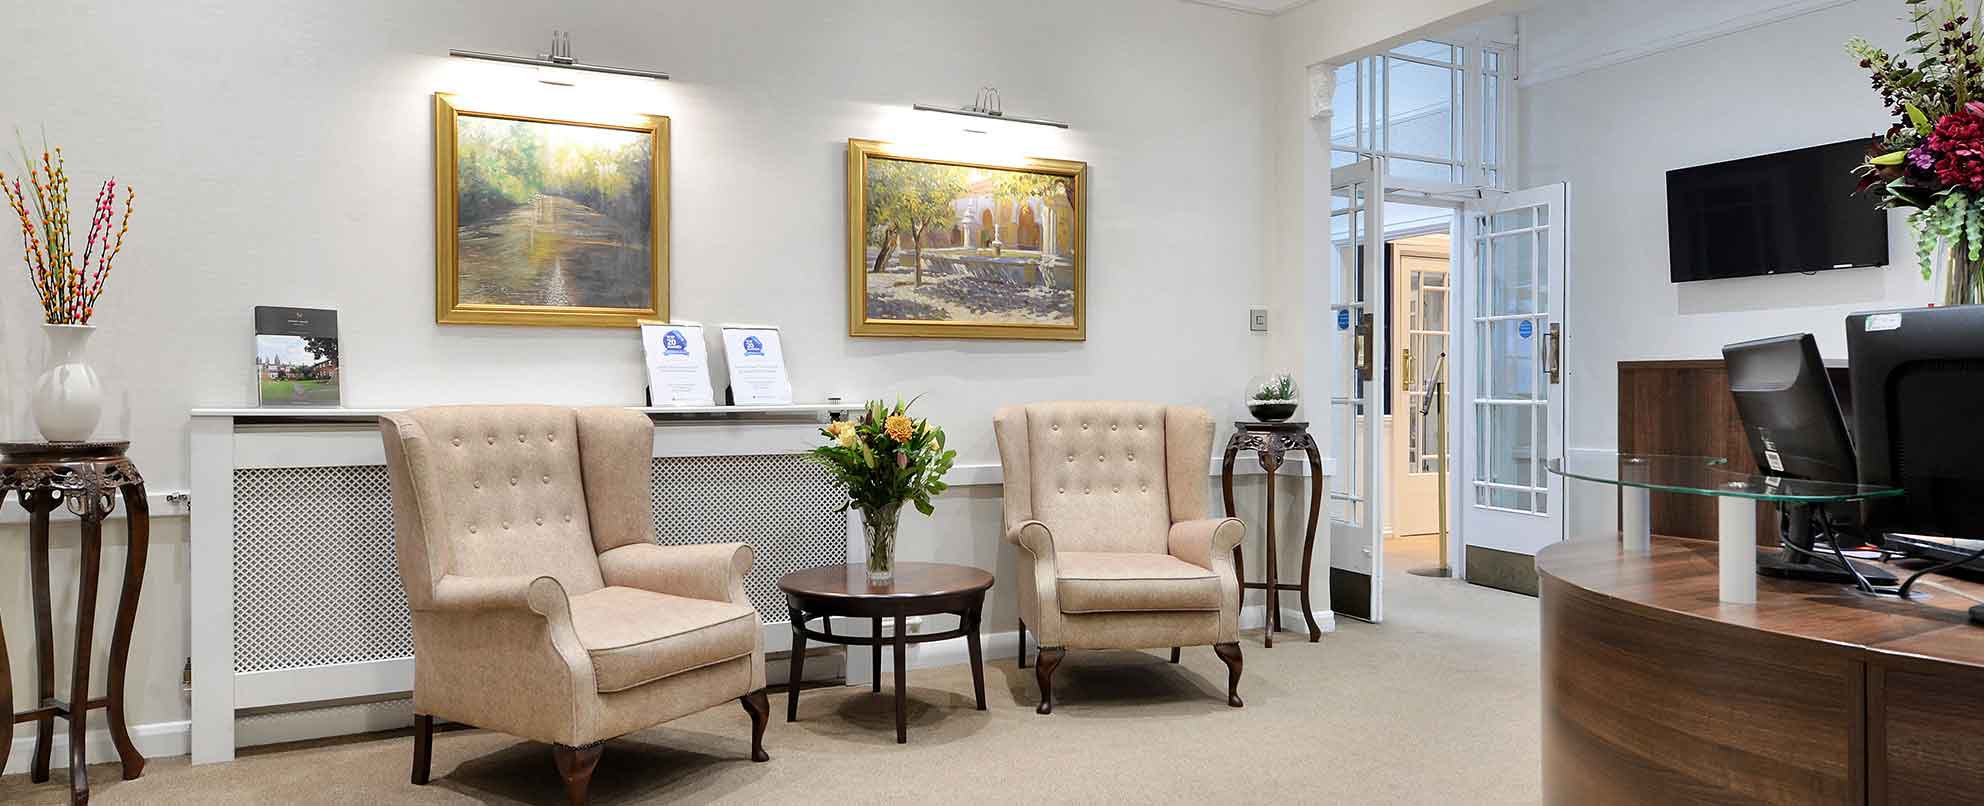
[
  {"x": 1100, "y": 474},
  {"x": 497, "y": 491}
]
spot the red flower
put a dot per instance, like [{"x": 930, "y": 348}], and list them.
[{"x": 1958, "y": 145}]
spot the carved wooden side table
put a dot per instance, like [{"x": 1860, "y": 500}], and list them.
[
  {"x": 1270, "y": 442},
  {"x": 86, "y": 478}
]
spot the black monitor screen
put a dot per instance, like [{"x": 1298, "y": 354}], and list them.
[{"x": 1776, "y": 214}]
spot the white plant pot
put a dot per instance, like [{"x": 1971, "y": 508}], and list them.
[{"x": 67, "y": 400}]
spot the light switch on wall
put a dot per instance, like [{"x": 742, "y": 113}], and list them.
[{"x": 1257, "y": 319}]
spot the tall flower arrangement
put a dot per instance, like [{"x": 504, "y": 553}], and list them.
[
  {"x": 68, "y": 288},
  {"x": 885, "y": 459}
]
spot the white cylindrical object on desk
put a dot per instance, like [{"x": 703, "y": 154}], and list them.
[
  {"x": 1636, "y": 518},
  {"x": 1736, "y": 536}
]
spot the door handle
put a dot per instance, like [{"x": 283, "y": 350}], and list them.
[
  {"x": 1555, "y": 345},
  {"x": 1405, "y": 371},
  {"x": 1363, "y": 347}
]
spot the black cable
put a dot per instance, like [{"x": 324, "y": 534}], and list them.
[
  {"x": 1935, "y": 568},
  {"x": 1859, "y": 579}
]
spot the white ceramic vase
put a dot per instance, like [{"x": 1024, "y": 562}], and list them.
[{"x": 67, "y": 400}]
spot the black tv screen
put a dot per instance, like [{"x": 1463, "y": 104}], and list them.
[{"x": 1774, "y": 214}]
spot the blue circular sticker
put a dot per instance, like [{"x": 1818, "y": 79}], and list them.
[
  {"x": 1343, "y": 319},
  {"x": 1526, "y": 329}
]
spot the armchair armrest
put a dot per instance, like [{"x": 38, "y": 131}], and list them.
[
  {"x": 713, "y": 571},
  {"x": 538, "y": 594},
  {"x": 1033, "y": 536},
  {"x": 1206, "y": 542}
]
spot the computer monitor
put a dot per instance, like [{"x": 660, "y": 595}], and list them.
[
  {"x": 1795, "y": 430},
  {"x": 1918, "y": 399}
]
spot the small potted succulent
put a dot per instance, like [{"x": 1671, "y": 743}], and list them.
[{"x": 1274, "y": 399}]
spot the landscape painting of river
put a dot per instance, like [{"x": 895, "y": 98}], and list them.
[
  {"x": 554, "y": 222},
  {"x": 947, "y": 249}
]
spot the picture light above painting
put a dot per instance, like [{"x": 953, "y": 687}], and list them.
[
  {"x": 938, "y": 248},
  {"x": 541, "y": 221}
]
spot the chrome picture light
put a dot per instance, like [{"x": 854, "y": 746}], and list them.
[
  {"x": 987, "y": 105},
  {"x": 559, "y": 57}
]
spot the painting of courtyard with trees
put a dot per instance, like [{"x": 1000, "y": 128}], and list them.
[{"x": 953, "y": 249}]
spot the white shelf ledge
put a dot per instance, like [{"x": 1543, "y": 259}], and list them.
[{"x": 660, "y": 412}]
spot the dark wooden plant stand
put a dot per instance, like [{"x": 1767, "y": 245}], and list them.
[
  {"x": 86, "y": 478},
  {"x": 919, "y": 589},
  {"x": 1270, "y": 442}
]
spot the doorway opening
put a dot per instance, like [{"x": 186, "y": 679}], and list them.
[{"x": 1418, "y": 271}]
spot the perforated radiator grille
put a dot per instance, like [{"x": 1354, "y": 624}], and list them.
[
  {"x": 316, "y": 582},
  {"x": 781, "y": 505}
]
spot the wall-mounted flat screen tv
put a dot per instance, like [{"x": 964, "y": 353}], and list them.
[{"x": 1774, "y": 214}]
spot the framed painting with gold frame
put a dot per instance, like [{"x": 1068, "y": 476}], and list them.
[
  {"x": 942, "y": 248},
  {"x": 549, "y": 222}
]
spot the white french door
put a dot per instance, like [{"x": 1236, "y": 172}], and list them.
[
  {"x": 1356, "y": 425},
  {"x": 1511, "y": 396}
]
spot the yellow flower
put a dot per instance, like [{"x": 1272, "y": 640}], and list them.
[
  {"x": 847, "y": 438},
  {"x": 843, "y": 433},
  {"x": 899, "y": 427}
]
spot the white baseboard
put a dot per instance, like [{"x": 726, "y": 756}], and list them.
[{"x": 155, "y": 740}]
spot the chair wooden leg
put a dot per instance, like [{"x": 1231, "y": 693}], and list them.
[
  {"x": 1022, "y": 643},
  {"x": 1050, "y": 659},
  {"x": 575, "y": 765},
  {"x": 760, "y": 710},
  {"x": 1230, "y": 652},
  {"x": 423, "y": 747},
  {"x": 1174, "y": 654}
]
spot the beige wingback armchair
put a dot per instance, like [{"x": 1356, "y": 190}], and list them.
[
  {"x": 1107, "y": 504},
  {"x": 542, "y": 606}
]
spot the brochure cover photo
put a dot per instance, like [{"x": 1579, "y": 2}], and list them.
[{"x": 296, "y": 356}]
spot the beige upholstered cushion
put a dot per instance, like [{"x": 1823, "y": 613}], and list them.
[
  {"x": 1114, "y": 582},
  {"x": 499, "y": 493},
  {"x": 1098, "y": 475},
  {"x": 635, "y": 636}
]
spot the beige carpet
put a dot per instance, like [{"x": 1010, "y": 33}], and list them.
[{"x": 1438, "y": 705}]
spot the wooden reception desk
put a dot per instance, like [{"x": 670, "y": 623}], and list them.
[{"x": 1654, "y": 692}]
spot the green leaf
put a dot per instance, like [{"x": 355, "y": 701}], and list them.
[{"x": 1889, "y": 159}]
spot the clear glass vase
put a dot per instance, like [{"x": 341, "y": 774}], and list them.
[
  {"x": 1962, "y": 280},
  {"x": 879, "y": 527}
]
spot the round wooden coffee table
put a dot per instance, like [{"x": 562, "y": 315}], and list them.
[{"x": 919, "y": 589}]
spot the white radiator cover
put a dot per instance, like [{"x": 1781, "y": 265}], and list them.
[
  {"x": 316, "y": 583},
  {"x": 296, "y": 596}
]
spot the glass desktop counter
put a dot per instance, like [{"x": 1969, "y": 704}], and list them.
[{"x": 1736, "y": 494}]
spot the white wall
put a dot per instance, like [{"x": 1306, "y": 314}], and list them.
[
  {"x": 282, "y": 152},
  {"x": 1614, "y": 131}
]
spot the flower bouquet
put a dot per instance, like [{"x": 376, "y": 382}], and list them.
[
  {"x": 67, "y": 400},
  {"x": 884, "y": 459},
  {"x": 1932, "y": 159}
]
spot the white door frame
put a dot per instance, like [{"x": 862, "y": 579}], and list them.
[
  {"x": 1486, "y": 526},
  {"x": 1358, "y": 547}
]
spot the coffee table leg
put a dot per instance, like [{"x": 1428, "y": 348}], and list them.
[
  {"x": 977, "y": 654},
  {"x": 798, "y": 664},
  {"x": 877, "y": 633},
  {"x": 902, "y": 681}
]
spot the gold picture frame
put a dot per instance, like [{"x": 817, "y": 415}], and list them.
[
  {"x": 950, "y": 218},
  {"x": 521, "y": 235}
]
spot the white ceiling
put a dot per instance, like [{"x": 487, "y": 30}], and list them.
[{"x": 1262, "y": 7}]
